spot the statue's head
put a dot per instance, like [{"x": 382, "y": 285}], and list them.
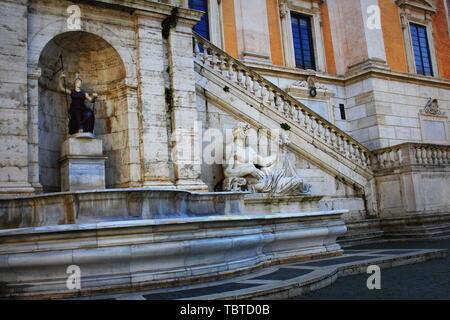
[
  {"x": 77, "y": 82},
  {"x": 240, "y": 131}
]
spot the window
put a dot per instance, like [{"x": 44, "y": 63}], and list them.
[
  {"x": 417, "y": 25},
  {"x": 342, "y": 110},
  {"x": 421, "y": 49},
  {"x": 202, "y": 28},
  {"x": 303, "y": 44}
]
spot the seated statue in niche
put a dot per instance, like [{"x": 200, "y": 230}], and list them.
[
  {"x": 246, "y": 170},
  {"x": 82, "y": 118}
]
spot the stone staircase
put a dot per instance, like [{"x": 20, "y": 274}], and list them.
[
  {"x": 247, "y": 96},
  {"x": 267, "y": 106}
]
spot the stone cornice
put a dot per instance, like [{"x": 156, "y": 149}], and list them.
[
  {"x": 144, "y": 7},
  {"x": 424, "y": 5},
  {"x": 295, "y": 74}
]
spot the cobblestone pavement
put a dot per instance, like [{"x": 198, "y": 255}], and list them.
[
  {"x": 426, "y": 280},
  {"x": 290, "y": 280}
]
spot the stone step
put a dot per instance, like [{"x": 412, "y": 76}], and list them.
[{"x": 288, "y": 280}]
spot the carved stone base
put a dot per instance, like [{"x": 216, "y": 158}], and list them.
[
  {"x": 191, "y": 185},
  {"x": 82, "y": 164}
]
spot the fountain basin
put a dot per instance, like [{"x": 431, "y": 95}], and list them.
[{"x": 156, "y": 253}]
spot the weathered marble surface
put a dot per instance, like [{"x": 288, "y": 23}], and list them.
[
  {"x": 115, "y": 204},
  {"x": 156, "y": 253},
  {"x": 82, "y": 164}
]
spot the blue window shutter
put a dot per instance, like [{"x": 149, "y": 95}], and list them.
[
  {"x": 303, "y": 44},
  {"x": 421, "y": 49},
  {"x": 202, "y": 28}
]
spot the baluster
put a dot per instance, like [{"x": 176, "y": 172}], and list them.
[
  {"x": 357, "y": 154},
  {"x": 384, "y": 157},
  {"x": 423, "y": 155},
  {"x": 340, "y": 143},
  {"x": 264, "y": 93},
  {"x": 327, "y": 135},
  {"x": 379, "y": 160},
  {"x": 333, "y": 139},
  {"x": 239, "y": 77},
  {"x": 368, "y": 159},
  {"x": 280, "y": 103},
  {"x": 389, "y": 158},
  {"x": 351, "y": 150},
  {"x": 196, "y": 48},
  {"x": 439, "y": 156},
  {"x": 305, "y": 120},
  {"x": 230, "y": 70},
  {"x": 429, "y": 156},
  {"x": 214, "y": 60},
  {"x": 345, "y": 146},
  {"x": 295, "y": 116},
  {"x": 312, "y": 126},
  {"x": 271, "y": 98},
  {"x": 418, "y": 155},
  {"x": 363, "y": 157},
  {"x": 223, "y": 66},
  {"x": 287, "y": 109},
  {"x": 434, "y": 156},
  {"x": 247, "y": 80},
  {"x": 318, "y": 128},
  {"x": 256, "y": 88},
  {"x": 204, "y": 54},
  {"x": 396, "y": 157}
]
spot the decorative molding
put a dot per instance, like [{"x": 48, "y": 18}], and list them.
[
  {"x": 432, "y": 107},
  {"x": 216, "y": 22},
  {"x": 433, "y": 123},
  {"x": 423, "y": 5},
  {"x": 312, "y": 9}
]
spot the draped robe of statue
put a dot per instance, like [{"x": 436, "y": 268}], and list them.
[
  {"x": 245, "y": 169},
  {"x": 81, "y": 117}
]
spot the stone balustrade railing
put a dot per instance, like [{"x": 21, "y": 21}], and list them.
[
  {"x": 278, "y": 100},
  {"x": 411, "y": 154}
]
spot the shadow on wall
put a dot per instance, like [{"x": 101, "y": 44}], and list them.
[{"x": 102, "y": 71}]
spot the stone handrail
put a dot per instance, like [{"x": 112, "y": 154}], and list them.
[
  {"x": 279, "y": 101},
  {"x": 411, "y": 154}
]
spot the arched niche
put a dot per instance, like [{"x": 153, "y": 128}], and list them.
[{"x": 102, "y": 71}]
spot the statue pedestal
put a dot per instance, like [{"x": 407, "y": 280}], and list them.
[{"x": 82, "y": 163}]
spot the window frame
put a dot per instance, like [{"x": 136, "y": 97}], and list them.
[
  {"x": 424, "y": 27},
  {"x": 411, "y": 13},
  {"x": 310, "y": 40},
  {"x": 447, "y": 13},
  {"x": 309, "y": 9},
  {"x": 215, "y": 22}
]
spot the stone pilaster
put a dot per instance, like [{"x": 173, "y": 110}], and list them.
[
  {"x": 186, "y": 146},
  {"x": 152, "y": 108},
  {"x": 14, "y": 175}
]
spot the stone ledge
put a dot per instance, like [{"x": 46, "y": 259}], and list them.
[
  {"x": 289, "y": 280},
  {"x": 158, "y": 253}
]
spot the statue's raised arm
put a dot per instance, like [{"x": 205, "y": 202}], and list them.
[{"x": 62, "y": 84}]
